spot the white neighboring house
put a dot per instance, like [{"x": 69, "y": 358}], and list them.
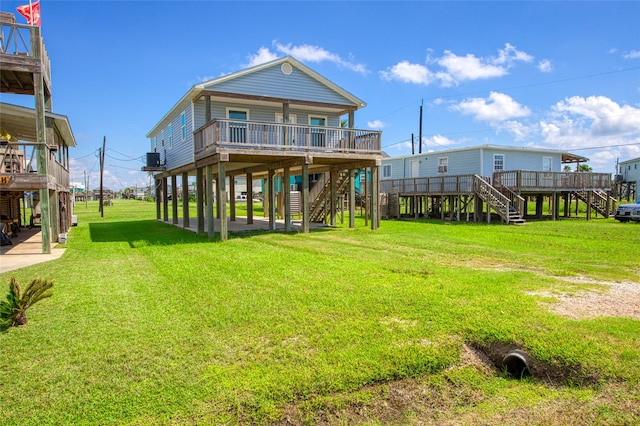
[{"x": 628, "y": 178}]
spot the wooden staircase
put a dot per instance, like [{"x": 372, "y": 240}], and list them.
[
  {"x": 598, "y": 201},
  {"x": 497, "y": 201},
  {"x": 320, "y": 195}
]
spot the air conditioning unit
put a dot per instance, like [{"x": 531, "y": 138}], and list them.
[{"x": 153, "y": 159}]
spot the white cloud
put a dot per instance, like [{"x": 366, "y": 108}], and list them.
[
  {"x": 545, "y": 65},
  {"x": 437, "y": 140},
  {"x": 408, "y": 73},
  {"x": 497, "y": 107},
  {"x": 469, "y": 67},
  {"x": 263, "y": 55},
  {"x": 304, "y": 53},
  {"x": 606, "y": 117},
  {"x": 455, "y": 69},
  {"x": 375, "y": 124},
  {"x": 634, "y": 54}
]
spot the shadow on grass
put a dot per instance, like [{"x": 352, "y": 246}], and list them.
[{"x": 152, "y": 232}]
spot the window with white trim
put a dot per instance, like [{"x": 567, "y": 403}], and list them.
[
  {"x": 386, "y": 170},
  {"x": 498, "y": 162},
  {"x": 162, "y": 138},
  {"x": 170, "y": 133},
  {"x": 443, "y": 164},
  {"x": 547, "y": 164},
  {"x": 154, "y": 143}
]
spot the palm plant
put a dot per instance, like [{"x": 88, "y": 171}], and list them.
[{"x": 13, "y": 310}]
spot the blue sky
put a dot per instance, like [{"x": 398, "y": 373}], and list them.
[{"x": 561, "y": 75}]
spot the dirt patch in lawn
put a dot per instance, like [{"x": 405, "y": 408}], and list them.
[{"x": 615, "y": 300}]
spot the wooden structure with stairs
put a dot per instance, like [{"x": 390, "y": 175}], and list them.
[{"x": 506, "y": 195}]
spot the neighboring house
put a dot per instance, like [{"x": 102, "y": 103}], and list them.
[
  {"x": 34, "y": 143},
  {"x": 628, "y": 179},
  {"x": 504, "y": 177},
  {"x": 273, "y": 121}
]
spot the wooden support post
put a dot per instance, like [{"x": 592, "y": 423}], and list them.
[
  {"x": 286, "y": 187},
  {"x": 185, "y": 200},
  {"x": 366, "y": 196},
  {"x": 249, "y": 198},
  {"x": 42, "y": 150},
  {"x": 272, "y": 200},
  {"x": 158, "y": 188},
  {"x": 165, "y": 199},
  {"x": 608, "y": 206},
  {"x": 554, "y": 205},
  {"x": 375, "y": 198},
  {"x": 305, "y": 198},
  {"x": 232, "y": 198},
  {"x": 333, "y": 196},
  {"x": 221, "y": 186},
  {"x": 488, "y": 213},
  {"x": 174, "y": 199},
  {"x": 209, "y": 198},
  {"x": 352, "y": 198},
  {"x": 200, "y": 199},
  {"x": 539, "y": 205},
  {"x": 589, "y": 205}
]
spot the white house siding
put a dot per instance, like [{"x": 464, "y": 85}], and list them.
[
  {"x": 272, "y": 82},
  {"x": 630, "y": 171},
  {"x": 181, "y": 152}
]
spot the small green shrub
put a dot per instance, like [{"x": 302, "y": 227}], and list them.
[{"x": 13, "y": 310}]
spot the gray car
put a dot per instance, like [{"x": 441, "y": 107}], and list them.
[{"x": 628, "y": 212}]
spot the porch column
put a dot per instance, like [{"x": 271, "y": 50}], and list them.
[
  {"x": 209, "y": 197},
  {"x": 54, "y": 210},
  {"x": 285, "y": 120},
  {"x": 375, "y": 197},
  {"x": 352, "y": 198},
  {"x": 305, "y": 198},
  {"x": 165, "y": 200},
  {"x": 200, "y": 200},
  {"x": 272, "y": 200},
  {"x": 286, "y": 187},
  {"x": 42, "y": 154},
  {"x": 366, "y": 196},
  {"x": 333, "y": 196},
  {"x": 249, "y": 198},
  {"x": 185, "y": 200},
  {"x": 174, "y": 199},
  {"x": 221, "y": 186},
  {"x": 554, "y": 205},
  {"x": 158, "y": 190},
  {"x": 589, "y": 204}
]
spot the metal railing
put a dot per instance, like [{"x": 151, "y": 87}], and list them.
[{"x": 222, "y": 133}]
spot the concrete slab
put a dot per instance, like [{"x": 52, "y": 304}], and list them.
[{"x": 26, "y": 250}]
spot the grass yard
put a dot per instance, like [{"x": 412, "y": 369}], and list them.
[{"x": 150, "y": 324}]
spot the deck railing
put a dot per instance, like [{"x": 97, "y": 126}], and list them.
[
  {"x": 23, "y": 41},
  {"x": 524, "y": 180},
  {"x": 429, "y": 185},
  {"x": 220, "y": 133}
]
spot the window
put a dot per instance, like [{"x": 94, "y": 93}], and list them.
[
  {"x": 547, "y": 164},
  {"x": 237, "y": 129},
  {"x": 386, "y": 170},
  {"x": 183, "y": 123},
  {"x": 317, "y": 133},
  {"x": 443, "y": 164},
  {"x": 162, "y": 138},
  {"x": 170, "y": 133},
  {"x": 498, "y": 162},
  {"x": 154, "y": 143}
]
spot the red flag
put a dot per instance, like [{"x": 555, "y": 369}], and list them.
[{"x": 31, "y": 12}]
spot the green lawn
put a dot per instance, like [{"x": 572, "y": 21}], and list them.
[{"x": 150, "y": 324}]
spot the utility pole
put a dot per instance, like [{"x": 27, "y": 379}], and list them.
[
  {"x": 413, "y": 145},
  {"x": 420, "y": 134},
  {"x": 104, "y": 143}
]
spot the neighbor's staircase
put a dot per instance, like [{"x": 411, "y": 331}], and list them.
[
  {"x": 598, "y": 201},
  {"x": 320, "y": 195},
  {"x": 508, "y": 207}
]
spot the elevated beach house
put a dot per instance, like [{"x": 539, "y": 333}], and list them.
[
  {"x": 627, "y": 179},
  {"x": 474, "y": 183},
  {"x": 279, "y": 122},
  {"x": 34, "y": 142}
]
